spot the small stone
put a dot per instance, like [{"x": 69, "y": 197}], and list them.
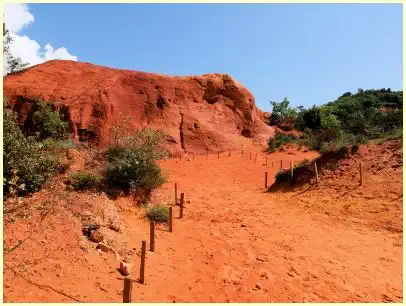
[
  {"x": 96, "y": 236},
  {"x": 258, "y": 286},
  {"x": 103, "y": 247},
  {"x": 124, "y": 268},
  {"x": 243, "y": 225}
]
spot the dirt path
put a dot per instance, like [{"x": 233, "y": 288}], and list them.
[
  {"x": 236, "y": 243},
  {"x": 239, "y": 244}
]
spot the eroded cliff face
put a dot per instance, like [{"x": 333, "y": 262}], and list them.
[{"x": 210, "y": 112}]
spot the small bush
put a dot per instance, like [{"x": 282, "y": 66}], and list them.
[
  {"x": 280, "y": 139},
  {"x": 131, "y": 162},
  {"x": 85, "y": 181},
  {"x": 158, "y": 213}
]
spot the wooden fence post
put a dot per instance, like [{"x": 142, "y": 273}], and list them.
[
  {"x": 170, "y": 220},
  {"x": 207, "y": 155},
  {"x": 142, "y": 266},
  {"x": 128, "y": 288},
  {"x": 281, "y": 164},
  {"x": 218, "y": 154},
  {"x": 182, "y": 198},
  {"x": 317, "y": 172},
  {"x": 291, "y": 168},
  {"x": 250, "y": 155},
  {"x": 176, "y": 194},
  {"x": 360, "y": 174},
  {"x": 266, "y": 179},
  {"x": 229, "y": 153},
  {"x": 152, "y": 236}
]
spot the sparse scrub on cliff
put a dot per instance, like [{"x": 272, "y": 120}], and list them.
[
  {"x": 46, "y": 120},
  {"x": 131, "y": 161}
]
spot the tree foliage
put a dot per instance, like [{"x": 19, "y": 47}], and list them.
[
  {"x": 351, "y": 119},
  {"x": 14, "y": 63},
  {"x": 281, "y": 112}
]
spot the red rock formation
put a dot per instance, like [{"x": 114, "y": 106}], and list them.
[{"x": 209, "y": 112}]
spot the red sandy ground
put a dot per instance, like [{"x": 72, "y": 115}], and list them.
[{"x": 334, "y": 243}]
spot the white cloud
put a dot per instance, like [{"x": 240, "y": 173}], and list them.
[
  {"x": 16, "y": 17},
  {"x": 51, "y": 53}
]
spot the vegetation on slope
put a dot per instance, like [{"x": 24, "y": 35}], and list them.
[
  {"x": 34, "y": 153},
  {"x": 28, "y": 162},
  {"x": 349, "y": 120}
]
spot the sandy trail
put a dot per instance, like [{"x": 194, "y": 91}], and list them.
[
  {"x": 236, "y": 243},
  {"x": 239, "y": 244}
]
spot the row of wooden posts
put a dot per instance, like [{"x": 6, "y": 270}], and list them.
[
  {"x": 266, "y": 164},
  {"x": 229, "y": 155},
  {"x": 128, "y": 282},
  {"x": 361, "y": 176}
]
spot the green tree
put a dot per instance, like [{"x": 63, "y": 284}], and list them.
[
  {"x": 14, "y": 63},
  {"x": 282, "y": 112}
]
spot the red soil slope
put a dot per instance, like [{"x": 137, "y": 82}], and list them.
[
  {"x": 209, "y": 112},
  {"x": 337, "y": 241}
]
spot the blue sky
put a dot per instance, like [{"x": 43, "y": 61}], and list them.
[{"x": 310, "y": 53}]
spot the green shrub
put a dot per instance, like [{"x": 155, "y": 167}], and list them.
[
  {"x": 46, "y": 120},
  {"x": 279, "y": 140},
  {"x": 325, "y": 147},
  {"x": 85, "y": 181},
  {"x": 158, "y": 213},
  {"x": 57, "y": 144},
  {"x": 131, "y": 161},
  {"x": 26, "y": 166}
]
